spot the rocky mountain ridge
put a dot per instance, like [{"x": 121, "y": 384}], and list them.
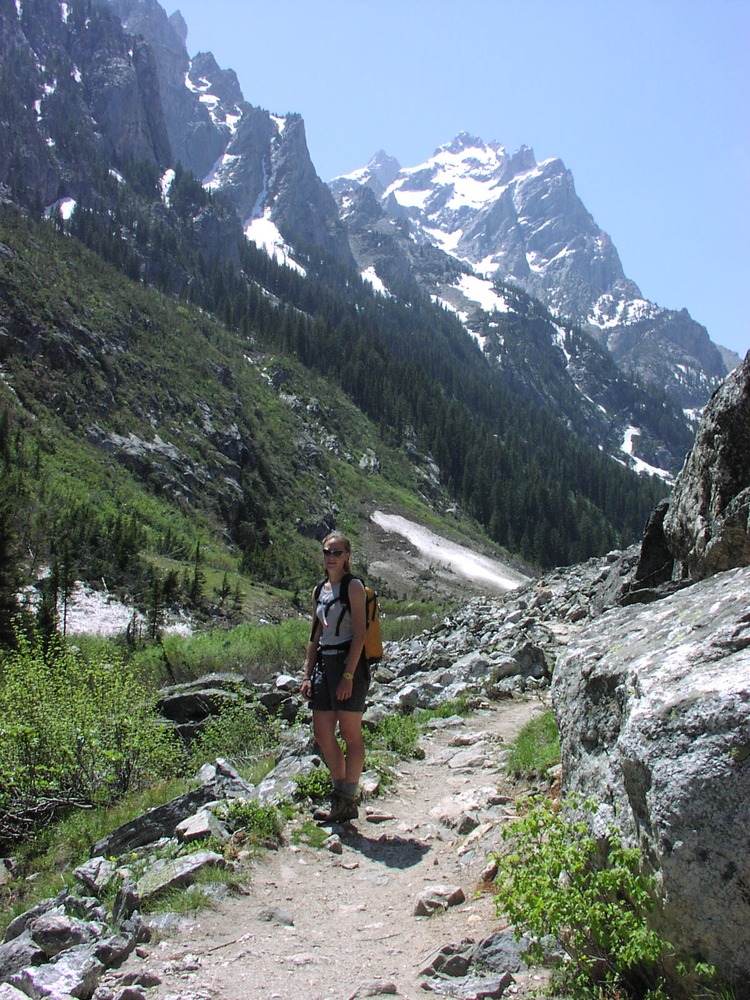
[
  {"x": 151, "y": 102},
  {"x": 514, "y": 220},
  {"x": 266, "y": 172}
]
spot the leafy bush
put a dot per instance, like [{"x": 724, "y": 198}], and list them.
[
  {"x": 315, "y": 786},
  {"x": 397, "y": 734},
  {"x": 261, "y": 825},
  {"x": 75, "y": 728},
  {"x": 536, "y": 748},
  {"x": 243, "y": 733},
  {"x": 591, "y": 896}
]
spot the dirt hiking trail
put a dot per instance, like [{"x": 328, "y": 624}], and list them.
[{"x": 319, "y": 925}]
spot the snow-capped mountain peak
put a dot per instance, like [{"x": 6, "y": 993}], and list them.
[{"x": 507, "y": 217}]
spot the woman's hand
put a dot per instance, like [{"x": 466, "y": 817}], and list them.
[
  {"x": 344, "y": 690},
  {"x": 306, "y": 688}
]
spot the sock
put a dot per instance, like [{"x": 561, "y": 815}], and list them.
[
  {"x": 350, "y": 789},
  {"x": 338, "y": 784}
]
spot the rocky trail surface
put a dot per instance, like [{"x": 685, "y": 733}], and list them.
[{"x": 339, "y": 921}]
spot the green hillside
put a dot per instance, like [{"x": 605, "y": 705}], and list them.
[
  {"x": 172, "y": 455},
  {"x": 143, "y": 443}
]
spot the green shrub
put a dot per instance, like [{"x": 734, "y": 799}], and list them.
[
  {"x": 261, "y": 825},
  {"x": 397, "y": 734},
  {"x": 241, "y": 732},
  {"x": 591, "y": 896},
  {"x": 536, "y": 748},
  {"x": 316, "y": 785},
  {"x": 73, "y": 728}
]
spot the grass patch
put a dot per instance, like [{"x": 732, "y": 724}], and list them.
[
  {"x": 536, "y": 748},
  {"x": 180, "y": 901},
  {"x": 256, "y": 652},
  {"x": 310, "y": 834},
  {"x": 456, "y": 706},
  {"x": 397, "y": 734},
  {"x": 255, "y": 824},
  {"x": 404, "y": 619}
]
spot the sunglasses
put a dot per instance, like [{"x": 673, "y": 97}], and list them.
[{"x": 333, "y": 552}]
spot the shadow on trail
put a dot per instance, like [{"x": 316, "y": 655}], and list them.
[{"x": 388, "y": 849}]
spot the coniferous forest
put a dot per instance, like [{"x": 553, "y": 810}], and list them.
[{"x": 408, "y": 366}]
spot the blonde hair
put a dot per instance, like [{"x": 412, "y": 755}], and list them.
[{"x": 345, "y": 544}]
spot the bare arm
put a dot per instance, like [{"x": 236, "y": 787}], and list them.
[{"x": 357, "y": 610}]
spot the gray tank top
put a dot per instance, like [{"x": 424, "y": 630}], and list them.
[{"x": 334, "y": 617}]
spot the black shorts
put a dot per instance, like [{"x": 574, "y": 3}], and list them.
[{"x": 329, "y": 669}]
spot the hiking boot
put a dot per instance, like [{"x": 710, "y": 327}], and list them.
[
  {"x": 321, "y": 814},
  {"x": 343, "y": 810}
]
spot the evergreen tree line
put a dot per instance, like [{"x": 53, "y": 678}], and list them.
[
  {"x": 70, "y": 541},
  {"x": 410, "y": 367}
]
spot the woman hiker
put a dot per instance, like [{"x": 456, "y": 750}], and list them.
[{"x": 337, "y": 677}]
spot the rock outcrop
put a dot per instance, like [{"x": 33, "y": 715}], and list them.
[
  {"x": 707, "y": 525},
  {"x": 704, "y": 526},
  {"x": 653, "y": 702},
  {"x": 653, "y": 706}
]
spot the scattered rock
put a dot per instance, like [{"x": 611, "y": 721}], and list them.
[
  {"x": 274, "y": 915},
  {"x": 333, "y": 844},
  {"x": 436, "y": 898},
  {"x": 168, "y": 873}
]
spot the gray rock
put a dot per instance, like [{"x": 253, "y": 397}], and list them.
[
  {"x": 56, "y": 932},
  {"x": 501, "y": 952},
  {"x": 375, "y": 988},
  {"x": 203, "y": 824},
  {"x": 8, "y": 992},
  {"x": 96, "y": 874},
  {"x": 280, "y": 784},
  {"x": 169, "y": 873},
  {"x": 20, "y": 923},
  {"x": 707, "y": 525},
  {"x": 19, "y": 952},
  {"x": 220, "y": 780},
  {"x": 450, "y": 960},
  {"x": 654, "y": 715},
  {"x": 435, "y": 898},
  {"x": 75, "y": 973},
  {"x": 274, "y": 915},
  {"x": 111, "y": 951}
]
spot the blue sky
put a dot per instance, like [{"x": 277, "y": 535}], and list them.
[{"x": 645, "y": 101}]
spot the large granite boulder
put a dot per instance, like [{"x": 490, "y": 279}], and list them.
[
  {"x": 707, "y": 525},
  {"x": 653, "y": 706}
]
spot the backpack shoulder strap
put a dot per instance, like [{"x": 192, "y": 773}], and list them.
[
  {"x": 315, "y": 595},
  {"x": 344, "y": 589},
  {"x": 343, "y": 599}
]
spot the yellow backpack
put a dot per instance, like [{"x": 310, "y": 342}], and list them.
[{"x": 373, "y": 636}]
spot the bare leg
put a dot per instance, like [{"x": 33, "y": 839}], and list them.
[
  {"x": 350, "y": 727},
  {"x": 324, "y": 730}
]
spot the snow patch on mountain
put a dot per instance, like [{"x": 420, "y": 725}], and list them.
[
  {"x": 165, "y": 184},
  {"x": 221, "y": 171},
  {"x": 265, "y": 235},
  {"x": 212, "y": 102},
  {"x": 610, "y": 311},
  {"x": 457, "y": 558},
  {"x": 643, "y": 468},
  {"x": 370, "y": 275}
]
